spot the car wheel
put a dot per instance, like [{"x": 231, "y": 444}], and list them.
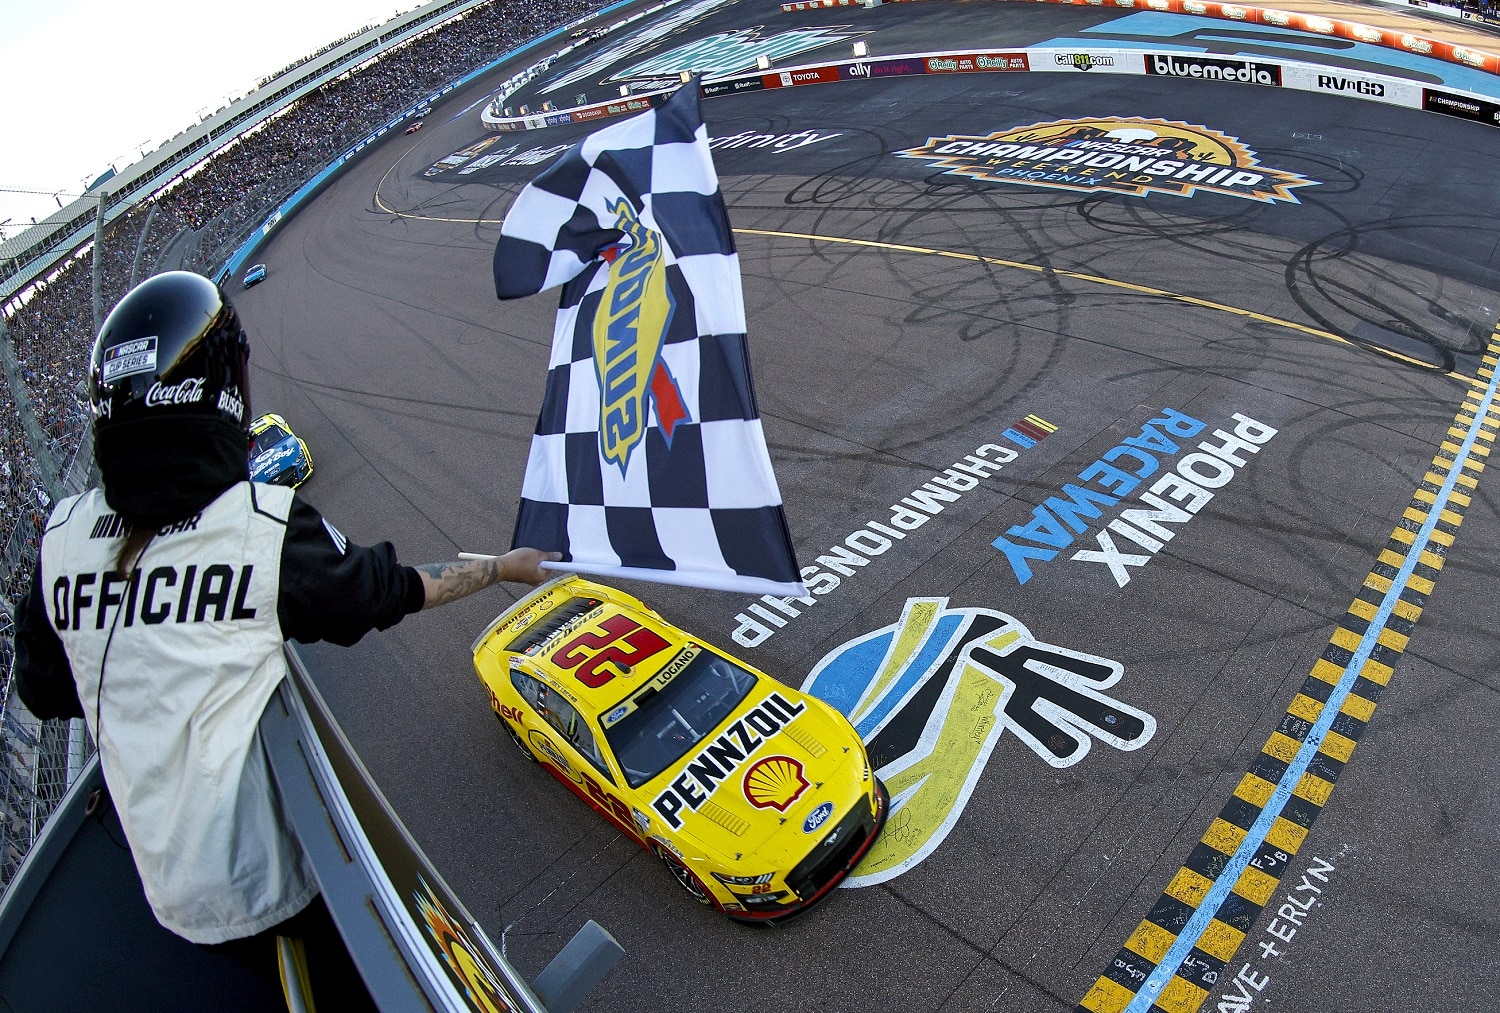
[
  {"x": 516, "y": 738},
  {"x": 685, "y": 878}
]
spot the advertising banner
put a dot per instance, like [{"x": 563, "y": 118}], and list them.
[
  {"x": 1352, "y": 84},
  {"x": 1079, "y": 61},
  {"x": 1463, "y": 106},
  {"x": 1351, "y": 30},
  {"x": 863, "y": 70},
  {"x": 1213, "y": 68},
  {"x": 733, "y": 87},
  {"x": 969, "y": 63},
  {"x": 802, "y": 75}
]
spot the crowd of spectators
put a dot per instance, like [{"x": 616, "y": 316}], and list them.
[{"x": 196, "y": 222}]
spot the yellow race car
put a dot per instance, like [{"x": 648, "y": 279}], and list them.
[{"x": 757, "y": 797}]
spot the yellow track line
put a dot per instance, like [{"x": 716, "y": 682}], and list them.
[
  {"x": 1097, "y": 280},
  {"x": 1159, "y": 293}
]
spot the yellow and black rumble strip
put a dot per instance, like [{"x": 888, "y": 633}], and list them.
[{"x": 1177, "y": 954}]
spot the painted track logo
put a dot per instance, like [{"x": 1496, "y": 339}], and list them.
[
  {"x": 932, "y": 693},
  {"x": 1130, "y": 155},
  {"x": 464, "y": 960}
]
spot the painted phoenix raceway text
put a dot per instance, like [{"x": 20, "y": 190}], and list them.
[
  {"x": 1174, "y": 498},
  {"x": 760, "y": 621}
]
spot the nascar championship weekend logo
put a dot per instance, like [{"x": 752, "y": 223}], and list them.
[{"x": 1131, "y": 155}]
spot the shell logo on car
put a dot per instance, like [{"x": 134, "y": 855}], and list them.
[
  {"x": 775, "y": 783},
  {"x": 758, "y": 798}
]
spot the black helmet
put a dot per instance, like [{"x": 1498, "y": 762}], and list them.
[{"x": 173, "y": 347}]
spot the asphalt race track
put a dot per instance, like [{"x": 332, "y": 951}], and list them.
[{"x": 906, "y": 325}]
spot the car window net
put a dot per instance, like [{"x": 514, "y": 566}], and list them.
[
  {"x": 267, "y": 439},
  {"x": 666, "y": 723},
  {"x": 538, "y": 633}
]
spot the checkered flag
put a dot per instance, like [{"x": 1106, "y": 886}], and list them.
[{"x": 648, "y": 459}]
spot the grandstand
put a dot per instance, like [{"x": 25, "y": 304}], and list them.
[{"x": 187, "y": 205}]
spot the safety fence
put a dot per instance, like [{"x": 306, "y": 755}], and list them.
[{"x": 38, "y": 759}]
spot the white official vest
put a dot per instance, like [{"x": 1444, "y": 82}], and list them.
[{"x": 189, "y": 652}]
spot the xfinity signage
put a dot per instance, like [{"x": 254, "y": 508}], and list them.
[{"x": 1210, "y": 68}]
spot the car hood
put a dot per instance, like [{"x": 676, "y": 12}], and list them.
[
  {"x": 782, "y": 766},
  {"x": 276, "y": 459}
]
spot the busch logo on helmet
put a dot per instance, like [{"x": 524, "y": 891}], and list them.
[{"x": 231, "y": 404}]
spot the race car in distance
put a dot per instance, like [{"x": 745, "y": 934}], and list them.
[
  {"x": 758, "y": 798},
  {"x": 255, "y": 275},
  {"x": 414, "y": 127},
  {"x": 277, "y": 455}
]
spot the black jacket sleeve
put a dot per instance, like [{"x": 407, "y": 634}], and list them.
[
  {"x": 43, "y": 677},
  {"x": 334, "y": 590}
]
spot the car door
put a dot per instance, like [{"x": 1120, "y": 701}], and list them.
[{"x": 575, "y": 741}]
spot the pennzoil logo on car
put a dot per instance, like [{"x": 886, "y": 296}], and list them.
[
  {"x": 718, "y": 761},
  {"x": 1132, "y": 155},
  {"x": 549, "y": 749},
  {"x": 775, "y": 783}
]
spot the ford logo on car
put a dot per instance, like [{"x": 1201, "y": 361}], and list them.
[{"x": 817, "y": 817}]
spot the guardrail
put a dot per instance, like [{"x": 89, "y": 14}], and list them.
[
  {"x": 1165, "y": 62},
  {"x": 1316, "y": 24},
  {"x": 74, "y": 922}
]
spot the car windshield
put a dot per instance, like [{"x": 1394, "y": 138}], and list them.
[
  {"x": 266, "y": 439},
  {"x": 665, "y": 723}
]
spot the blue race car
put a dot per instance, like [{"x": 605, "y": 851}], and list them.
[
  {"x": 277, "y": 455},
  {"x": 255, "y": 275}
]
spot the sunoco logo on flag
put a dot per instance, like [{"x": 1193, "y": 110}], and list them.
[
  {"x": 648, "y": 459},
  {"x": 629, "y": 329},
  {"x": 1130, "y": 155}
]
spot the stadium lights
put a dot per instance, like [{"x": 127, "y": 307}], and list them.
[{"x": 861, "y": 50}]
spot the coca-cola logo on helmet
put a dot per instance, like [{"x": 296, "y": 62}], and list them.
[{"x": 189, "y": 391}]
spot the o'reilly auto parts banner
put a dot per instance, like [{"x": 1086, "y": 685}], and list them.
[{"x": 1213, "y": 68}]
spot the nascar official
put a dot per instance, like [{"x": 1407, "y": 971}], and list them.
[{"x": 159, "y": 608}]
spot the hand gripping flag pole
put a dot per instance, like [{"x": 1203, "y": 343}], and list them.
[{"x": 648, "y": 459}]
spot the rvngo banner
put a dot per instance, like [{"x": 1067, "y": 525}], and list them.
[{"x": 648, "y": 459}]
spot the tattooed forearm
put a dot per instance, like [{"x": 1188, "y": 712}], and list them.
[{"x": 446, "y": 582}]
